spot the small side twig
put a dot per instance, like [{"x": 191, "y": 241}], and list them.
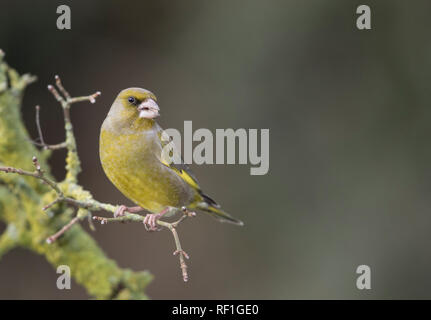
[
  {"x": 41, "y": 139},
  {"x": 73, "y": 165},
  {"x": 61, "y": 88},
  {"x": 57, "y": 200},
  {"x": 39, "y": 129},
  {"x": 36, "y": 174},
  {"x": 132, "y": 217},
  {"x": 55, "y": 236},
  {"x": 182, "y": 254}
]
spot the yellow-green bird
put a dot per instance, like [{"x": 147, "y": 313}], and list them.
[{"x": 131, "y": 146}]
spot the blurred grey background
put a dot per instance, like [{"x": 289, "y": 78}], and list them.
[{"x": 349, "y": 118}]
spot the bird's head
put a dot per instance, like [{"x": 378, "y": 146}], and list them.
[
  {"x": 133, "y": 108},
  {"x": 140, "y": 102}
]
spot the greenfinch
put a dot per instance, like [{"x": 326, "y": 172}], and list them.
[{"x": 131, "y": 144}]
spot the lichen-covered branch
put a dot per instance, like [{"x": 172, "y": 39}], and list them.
[
  {"x": 92, "y": 205},
  {"x": 22, "y": 197},
  {"x": 68, "y": 191}
]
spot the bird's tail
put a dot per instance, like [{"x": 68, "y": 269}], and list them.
[{"x": 210, "y": 206}]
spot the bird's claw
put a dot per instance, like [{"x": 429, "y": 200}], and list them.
[
  {"x": 150, "y": 221},
  {"x": 120, "y": 211},
  {"x": 181, "y": 252}
]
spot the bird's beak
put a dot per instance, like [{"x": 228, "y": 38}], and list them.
[{"x": 148, "y": 109}]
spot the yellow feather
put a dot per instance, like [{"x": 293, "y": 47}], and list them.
[{"x": 183, "y": 175}]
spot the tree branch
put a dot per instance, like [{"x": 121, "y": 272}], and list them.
[
  {"x": 22, "y": 198},
  {"x": 93, "y": 205},
  {"x": 69, "y": 192}
]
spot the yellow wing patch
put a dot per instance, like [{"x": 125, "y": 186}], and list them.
[
  {"x": 183, "y": 174},
  {"x": 181, "y": 169},
  {"x": 187, "y": 178}
]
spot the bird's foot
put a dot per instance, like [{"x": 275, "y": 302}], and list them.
[
  {"x": 150, "y": 220},
  {"x": 187, "y": 212},
  {"x": 181, "y": 252},
  {"x": 121, "y": 210}
]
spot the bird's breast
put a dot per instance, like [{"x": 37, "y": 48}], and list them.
[{"x": 131, "y": 162}]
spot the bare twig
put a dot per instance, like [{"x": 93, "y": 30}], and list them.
[
  {"x": 73, "y": 164},
  {"x": 42, "y": 141},
  {"x": 39, "y": 129},
  {"x": 91, "y": 98},
  {"x": 61, "y": 88},
  {"x": 55, "y": 93},
  {"x": 181, "y": 252},
  {"x": 36, "y": 174},
  {"x": 55, "y": 236},
  {"x": 57, "y": 200},
  {"x": 49, "y": 146},
  {"x": 132, "y": 217}
]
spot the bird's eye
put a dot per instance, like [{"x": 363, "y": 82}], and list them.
[{"x": 132, "y": 100}]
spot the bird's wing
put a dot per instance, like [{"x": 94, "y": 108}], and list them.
[
  {"x": 185, "y": 173},
  {"x": 180, "y": 168}
]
